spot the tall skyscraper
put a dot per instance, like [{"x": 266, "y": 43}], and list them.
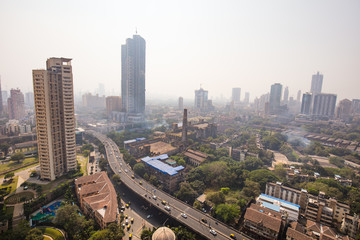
[
  {"x": 316, "y": 83},
  {"x": 133, "y": 75},
  {"x": 1, "y": 101},
  {"x": 247, "y": 98},
  {"x": 181, "y": 103},
  {"x": 286, "y": 95},
  {"x": 298, "y": 96},
  {"x": 55, "y": 121},
  {"x": 16, "y": 104},
  {"x": 275, "y": 98},
  {"x": 324, "y": 105},
  {"x": 306, "y": 103},
  {"x": 29, "y": 99},
  {"x": 201, "y": 99},
  {"x": 236, "y": 92}
]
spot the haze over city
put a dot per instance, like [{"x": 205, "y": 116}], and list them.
[{"x": 216, "y": 44}]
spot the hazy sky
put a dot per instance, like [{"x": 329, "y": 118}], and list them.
[{"x": 219, "y": 44}]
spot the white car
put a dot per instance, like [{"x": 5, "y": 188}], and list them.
[
  {"x": 154, "y": 197},
  {"x": 213, "y": 232},
  {"x": 167, "y": 208},
  {"x": 184, "y": 215},
  {"x": 126, "y": 170}
]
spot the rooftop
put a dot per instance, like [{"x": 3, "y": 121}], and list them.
[{"x": 155, "y": 162}]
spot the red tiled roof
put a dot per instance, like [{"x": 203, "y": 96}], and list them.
[
  {"x": 266, "y": 220},
  {"x": 297, "y": 235}
]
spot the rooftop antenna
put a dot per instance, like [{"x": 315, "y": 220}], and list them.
[{"x": 136, "y": 30}]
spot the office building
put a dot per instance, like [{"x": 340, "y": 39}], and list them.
[
  {"x": 29, "y": 99},
  {"x": 247, "y": 98},
  {"x": 350, "y": 225},
  {"x": 316, "y": 83},
  {"x": 133, "y": 75},
  {"x": 355, "y": 106},
  {"x": 275, "y": 98},
  {"x": 93, "y": 101},
  {"x": 55, "y": 121},
  {"x": 343, "y": 110},
  {"x": 298, "y": 97},
  {"x": 16, "y": 104},
  {"x": 181, "y": 103},
  {"x": 324, "y": 105},
  {"x": 1, "y": 99},
  {"x": 113, "y": 104},
  {"x": 201, "y": 99},
  {"x": 98, "y": 198},
  {"x": 235, "y": 97},
  {"x": 286, "y": 95},
  {"x": 306, "y": 103}
]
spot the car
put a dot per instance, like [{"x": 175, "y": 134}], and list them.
[
  {"x": 127, "y": 205},
  {"x": 140, "y": 182},
  {"x": 132, "y": 220},
  {"x": 167, "y": 208},
  {"x": 123, "y": 225},
  {"x": 126, "y": 216},
  {"x": 163, "y": 202},
  {"x": 126, "y": 170},
  {"x": 149, "y": 216},
  {"x": 130, "y": 235},
  {"x": 232, "y": 236},
  {"x": 132, "y": 176},
  {"x": 128, "y": 227},
  {"x": 26, "y": 187},
  {"x": 119, "y": 171},
  {"x": 213, "y": 232},
  {"x": 184, "y": 215},
  {"x": 120, "y": 164},
  {"x": 204, "y": 220},
  {"x": 154, "y": 197},
  {"x": 126, "y": 221}
]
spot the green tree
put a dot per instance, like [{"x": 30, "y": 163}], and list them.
[
  {"x": 271, "y": 142},
  {"x": 86, "y": 153},
  {"x": 4, "y": 147},
  {"x": 251, "y": 189},
  {"x": 9, "y": 175},
  {"x": 216, "y": 197},
  {"x": 102, "y": 164},
  {"x": 183, "y": 233},
  {"x": 88, "y": 147},
  {"x": 17, "y": 157},
  {"x": 262, "y": 176},
  {"x": 147, "y": 233},
  {"x": 113, "y": 231},
  {"x": 117, "y": 179},
  {"x": 139, "y": 169},
  {"x": 153, "y": 180},
  {"x": 34, "y": 234},
  {"x": 227, "y": 212},
  {"x": 186, "y": 193}
]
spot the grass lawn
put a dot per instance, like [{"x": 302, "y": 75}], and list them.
[
  {"x": 83, "y": 162},
  {"x": 10, "y": 183},
  {"x": 19, "y": 197},
  {"x": 53, "y": 184},
  {"x": 13, "y": 164},
  {"x": 52, "y": 232}
]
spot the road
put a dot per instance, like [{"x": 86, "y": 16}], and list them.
[{"x": 196, "y": 220}]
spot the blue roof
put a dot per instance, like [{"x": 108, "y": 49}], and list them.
[
  {"x": 271, "y": 206},
  {"x": 280, "y": 200},
  {"x": 155, "y": 162},
  {"x": 134, "y": 140}
]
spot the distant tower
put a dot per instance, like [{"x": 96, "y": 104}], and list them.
[
  {"x": 181, "y": 103},
  {"x": 298, "y": 96},
  {"x": 1, "y": 103},
  {"x": 133, "y": 75},
  {"x": 316, "y": 83},
  {"x": 16, "y": 104},
  {"x": 201, "y": 99},
  {"x": 275, "y": 98},
  {"x": 324, "y": 105},
  {"x": 236, "y": 92},
  {"x": 184, "y": 127},
  {"x": 286, "y": 95},
  {"x": 247, "y": 98},
  {"x": 306, "y": 103}
]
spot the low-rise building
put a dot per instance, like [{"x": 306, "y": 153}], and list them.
[
  {"x": 168, "y": 176},
  {"x": 263, "y": 222},
  {"x": 350, "y": 225},
  {"x": 29, "y": 147},
  {"x": 97, "y": 198},
  {"x": 289, "y": 209},
  {"x": 195, "y": 157}
]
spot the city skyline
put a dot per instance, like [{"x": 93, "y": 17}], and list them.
[{"x": 256, "y": 55}]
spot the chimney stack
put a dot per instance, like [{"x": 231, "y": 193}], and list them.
[{"x": 184, "y": 127}]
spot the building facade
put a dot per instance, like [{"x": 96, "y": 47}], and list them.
[
  {"x": 316, "y": 83},
  {"x": 324, "y": 105},
  {"x": 275, "y": 98},
  {"x": 55, "y": 121},
  {"x": 201, "y": 99},
  {"x": 113, "y": 104},
  {"x": 236, "y": 93},
  {"x": 343, "y": 111},
  {"x": 16, "y": 107},
  {"x": 133, "y": 75},
  {"x": 306, "y": 103},
  {"x": 181, "y": 103}
]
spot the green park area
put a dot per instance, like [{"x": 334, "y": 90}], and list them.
[
  {"x": 15, "y": 164},
  {"x": 19, "y": 197},
  {"x": 51, "y": 232},
  {"x": 8, "y": 187}
]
